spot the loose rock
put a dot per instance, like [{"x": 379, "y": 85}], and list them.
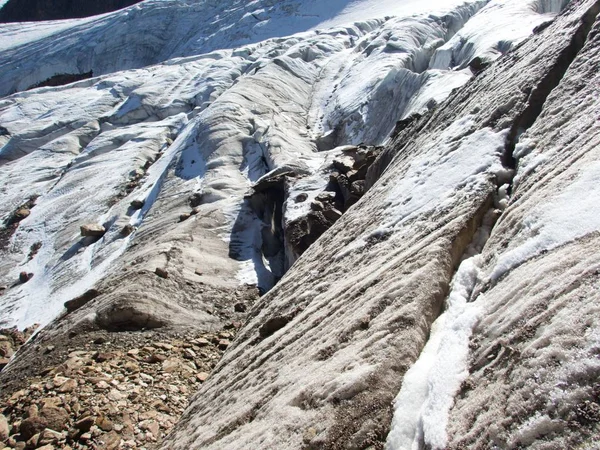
[
  {"x": 163, "y": 273},
  {"x": 92, "y": 230}
]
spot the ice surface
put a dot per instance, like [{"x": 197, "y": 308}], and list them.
[
  {"x": 430, "y": 385},
  {"x": 498, "y": 27},
  {"x": 561, "y": 219},
  {"x": 235, "y": 114},
  {"x": 464, "y": 158},
  {"x": 458, "y": 157}
]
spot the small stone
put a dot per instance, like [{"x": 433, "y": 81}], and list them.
[
  {"x": 110, "y": 441},
  {"x": 100, "y": 340},
  {"x": 32, "y": 411},
  {"x": 115, "y": 395},
  {"x": 49, "y": 349},
  {"x": 185, "y": 216},
  {"x": 4, "y": 428},
  {"x": 24, "y": 277},
  {"x": 6, "y": 349},
  {"x": 171, "y": 365},
  {"x": 21, "y": 213},
  {"x": 31, "y": 426},
  {"x": 198, "y": 272},
  {"x": 78, "y": 302},
  {"x": 127, "y": 230},
  {"x": 150, "y": 425},
  {"x": 201, "y": 342},
  {"x": 132, "y": 367},
  {"x": 155, "y": 358},
  {"x": 85, "y": 424},
  {"x": 223, "y": 344},
  {"x": 164, "y": 346},
  {"x": 101, "y": 357},
  {"x": 56, "y": 418},
  {"x": 49, "y": 436},
  {"x": 239, "y": 307},
  {"x": 104, "y": 423},
  {"x": 161, "y": 272},
  {"x": 102, "y": 385},
  {"x": 325, "y": 197},
  {"x": 188, "y": 353},
  {"x": 202, "y": 376},
  {"x": 92, "y": 230},
  {"x": 137, "y": 204},
  {"x": 317, "y": 206},
  {"x": 68, "y": 386},
  {"x": 85, "y": 437}
]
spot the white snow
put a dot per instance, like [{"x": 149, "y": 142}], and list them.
[
  {"x": 561, "y": 219},
  {"x": 457, "y": 158},
  {"x": 498, "y": 27},
  {"x": 430, "y": 385}
]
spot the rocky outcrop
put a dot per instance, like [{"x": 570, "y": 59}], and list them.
[
  {"x": 346, "y": 186},
  {"x": 35, "y": 10},
  {"x": 360, "y": 301}
]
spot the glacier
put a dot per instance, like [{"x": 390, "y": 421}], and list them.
[
  {"x": 260, "y": 108},
  {"x": 199, "y": 133}
]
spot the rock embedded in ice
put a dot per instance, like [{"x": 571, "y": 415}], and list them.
[
  {"x": 137, "y": 204},
  {"x": 81, "y": 300},
  {"x": 92, "y": 230},
  {"x": 162, "y": 273}
]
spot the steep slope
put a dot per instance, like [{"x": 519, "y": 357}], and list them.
[
  {"x": 221, "y": 165},
  {"x": 196, "y": 133},
  {"x": 534, "y": 354},
  {"x": 36, "y": 10},
  {"x": 334, "y": 341}
]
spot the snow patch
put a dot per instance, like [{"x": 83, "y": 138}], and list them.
[
  {"x": 563, "y": 218},
  {"x": 458, "y": 158},
  {"x": 430, "y": 385}
]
